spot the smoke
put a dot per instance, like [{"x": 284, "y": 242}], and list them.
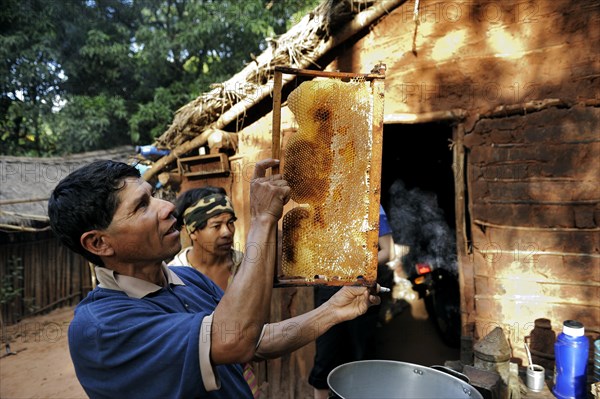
[{"x": 419, "y": 223}]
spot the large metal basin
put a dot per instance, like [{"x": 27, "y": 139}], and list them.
[{"x": 386, "y": 379}]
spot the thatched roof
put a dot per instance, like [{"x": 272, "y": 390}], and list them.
[
  {"x": 327, "y": 26},
  {"x": 26, "y": 184}
]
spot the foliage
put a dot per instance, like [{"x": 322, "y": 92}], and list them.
[
  {"x": 80, "y": 75},
  {"x": 10, "y": 285},
  {"x": 31, "y": 79},
  {"x": 86, "y": 122},
  {"x": 155, "y": 116}
]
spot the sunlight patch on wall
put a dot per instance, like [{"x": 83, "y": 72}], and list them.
[
  {"x": 504, "y": 44},
  {"x": 387, "y": 53},
  {"x": 423, "y": 37},
  {"x": 448, "y": 46}
]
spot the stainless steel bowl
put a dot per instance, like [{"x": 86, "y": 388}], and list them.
[{"x": 387, "y": 379}]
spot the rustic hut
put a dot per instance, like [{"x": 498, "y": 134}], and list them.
[
  {"x": 37, "y": 273},
  {"x": 493, "y": 106}
]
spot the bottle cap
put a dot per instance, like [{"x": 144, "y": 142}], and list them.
[{"x": 573, "y": 328}]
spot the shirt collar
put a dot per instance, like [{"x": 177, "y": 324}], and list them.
[{"x": 132, "y": 286}]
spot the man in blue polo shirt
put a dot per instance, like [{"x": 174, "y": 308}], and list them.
[{"x": 152, "y": 331}]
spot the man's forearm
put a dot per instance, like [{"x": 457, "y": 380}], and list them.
[
  {"x": 291, "y": 334},
  {"x": 244, "y": 309}
]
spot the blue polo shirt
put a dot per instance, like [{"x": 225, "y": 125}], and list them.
[{"x": 125, "y": 345}]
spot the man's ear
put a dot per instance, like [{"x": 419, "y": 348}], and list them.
[{"x": 94, "y": 241}]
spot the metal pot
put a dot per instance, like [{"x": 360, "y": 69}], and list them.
[{"x": 386, "y": 379}]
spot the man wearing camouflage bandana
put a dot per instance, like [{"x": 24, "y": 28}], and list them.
[
  {"x": 209, "y": 217},
  {"x": 199, "y": 213}
]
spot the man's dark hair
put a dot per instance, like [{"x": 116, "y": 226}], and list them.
[
  {"x": 190, "y": 197},
  {"x": 85, "y": 200}
]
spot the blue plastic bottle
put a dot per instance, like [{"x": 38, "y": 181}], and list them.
[{"x": 571, "y": 351}]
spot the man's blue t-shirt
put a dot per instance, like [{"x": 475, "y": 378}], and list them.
[{"x": 125, "y": 347}]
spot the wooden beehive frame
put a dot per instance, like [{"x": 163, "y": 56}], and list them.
[{"x": 376, "y": 80}]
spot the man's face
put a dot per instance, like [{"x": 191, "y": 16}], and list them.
[
  {"x": 217, "y": 237},
  {"x": 143, "y": 227}
]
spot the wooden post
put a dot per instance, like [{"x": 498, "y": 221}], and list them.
[{"x": 465, "y": 273}]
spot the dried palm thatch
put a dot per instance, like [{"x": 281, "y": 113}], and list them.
[
  {"x": 27, "y": 182},
  {"x": 328, "y": 25}
]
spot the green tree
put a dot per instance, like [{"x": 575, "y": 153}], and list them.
[
  {"x": 90, "y": 74},
  {"x": 185, "y": 46},
  {"x": 31, "y": 77},
  {"x": 99, "y": 97},
  {"x": 86, "y": 121}
]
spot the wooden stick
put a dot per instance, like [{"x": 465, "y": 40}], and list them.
[
  {"x": 23, "y": 228},
  {"x": 524, "y": 108},
  {"x": 535, "y": 253},
  {"x": 532, "y": 228},
  {"x": 425, "y": 117},
  {"x": 39, "y": 218},
  {"x": 22, "y": 200},
  {"x": 534, "y": 202},
  {"x": 50, "y": 305},
  {"x": 328, "y": 74},
  {"x": 276, "y": 128}
]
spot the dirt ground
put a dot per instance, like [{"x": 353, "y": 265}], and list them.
[{"x": 42, "y": 368}]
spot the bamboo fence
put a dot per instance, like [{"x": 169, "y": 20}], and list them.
[{"x": 52, "y": 276}]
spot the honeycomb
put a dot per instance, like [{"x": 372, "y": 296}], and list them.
[{"x": 327, "y": 163}]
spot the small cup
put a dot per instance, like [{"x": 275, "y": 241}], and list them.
[{"x": 535, "y": 377}]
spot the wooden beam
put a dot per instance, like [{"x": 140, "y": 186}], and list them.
[
  {"x": 425, "y": 117},
  {"x": 22, "y": 201},
  {"x": 181, "y": 150},
  {"x": 170, "y": 178}
]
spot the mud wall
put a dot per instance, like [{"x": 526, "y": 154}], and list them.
[
  {"x": 534, "y": 207},
  {"x": 477, "y": 55}
]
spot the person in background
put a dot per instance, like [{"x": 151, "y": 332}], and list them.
[
  {"x": 385, "y": 273},
  {"x": 152, "y": 331},
  {"x": 209, "y": 220},
  {"x": 352, "y": 340}
]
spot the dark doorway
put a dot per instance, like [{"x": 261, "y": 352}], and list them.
[
  {"x": 420, "y": 156},
  {"x": 417, "y": 193}
]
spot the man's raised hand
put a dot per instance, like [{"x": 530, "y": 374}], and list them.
[{"x": 268, "y": 194}]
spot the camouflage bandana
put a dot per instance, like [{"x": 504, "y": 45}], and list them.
[{"x": 204, "y": 209}]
